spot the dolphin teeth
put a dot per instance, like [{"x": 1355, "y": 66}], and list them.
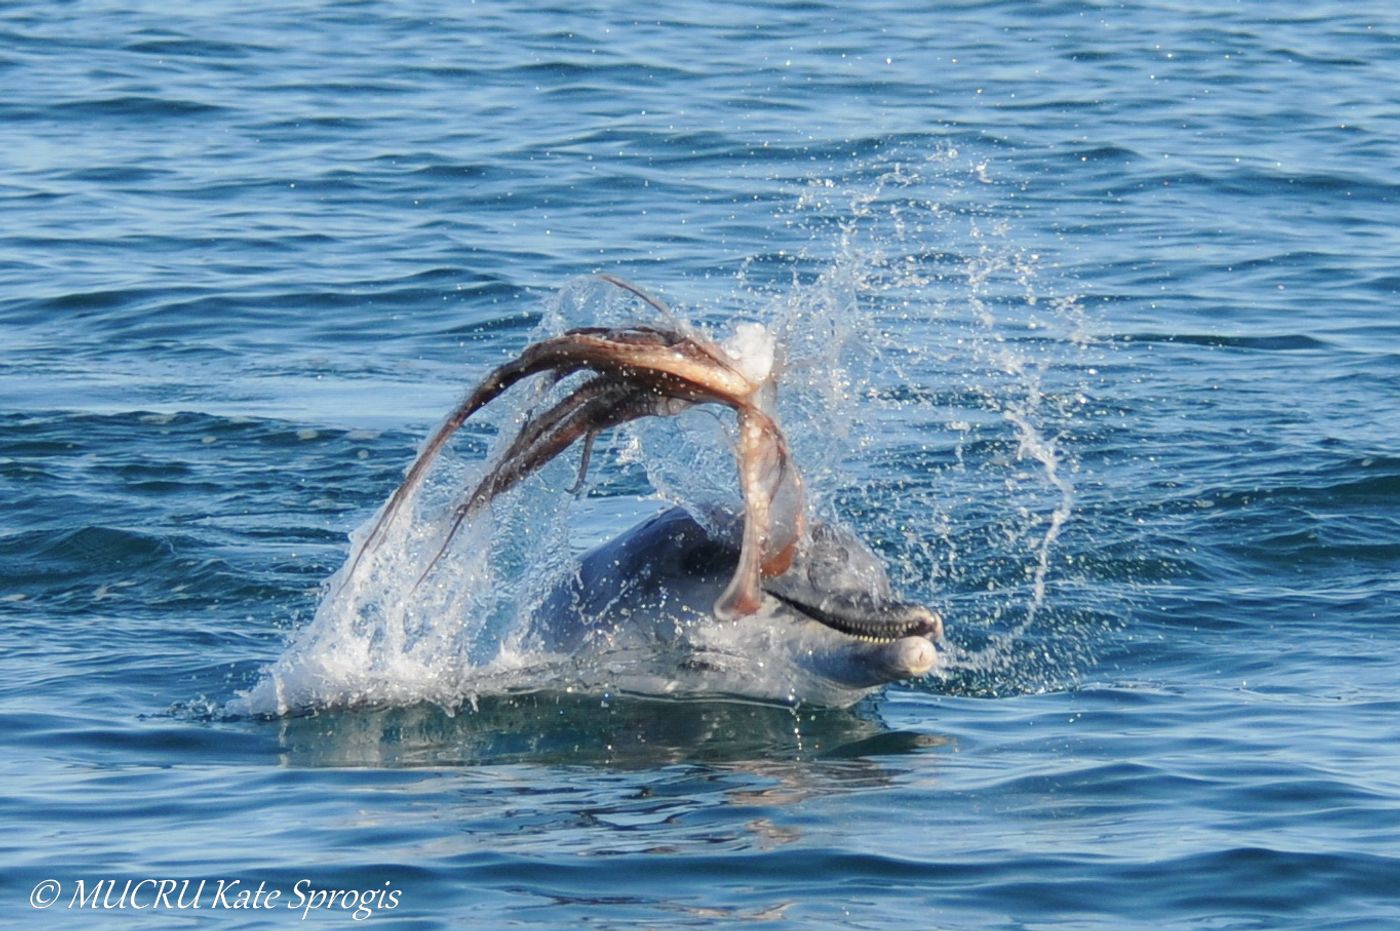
[{"x": 871, "y": 624}]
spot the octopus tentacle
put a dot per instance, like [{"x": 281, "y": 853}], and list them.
[
  {"x": 640, "y": 371},
  {"x": 599, "y": 405},
  {"x": 583, "y": 459},
  {"x": 774, "y": 516},
  {"x": 633, "y": 349},
  {"x": 655, "y": 303}
]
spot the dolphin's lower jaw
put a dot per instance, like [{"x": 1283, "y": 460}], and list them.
[
  {"x": 774, "y": 655},
  {"x": 906, "y": 658},
  {"x": 855, "y": 663}
]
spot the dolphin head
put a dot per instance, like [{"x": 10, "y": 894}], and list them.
[{"x": 829, "y": 629}]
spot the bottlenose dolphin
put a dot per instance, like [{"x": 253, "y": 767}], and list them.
[
  {"x": 639, "y": 611},
  {"x": 767, "y": 603}
]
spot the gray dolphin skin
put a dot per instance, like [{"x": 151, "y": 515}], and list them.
[{"x": 640, "y": 612}]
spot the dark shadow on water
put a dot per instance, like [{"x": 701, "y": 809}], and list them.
[{"x": 572, "y": 730}]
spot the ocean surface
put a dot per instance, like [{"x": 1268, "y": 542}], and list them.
[{"x": 1093, "y": 311}]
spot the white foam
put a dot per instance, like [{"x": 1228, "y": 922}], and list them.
[{"x": 753, "y": 348}]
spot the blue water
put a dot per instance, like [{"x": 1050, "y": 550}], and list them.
[{"x": 1131, "y": 265}]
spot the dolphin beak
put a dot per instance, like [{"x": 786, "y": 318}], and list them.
[{"x": 862, "y": 664}]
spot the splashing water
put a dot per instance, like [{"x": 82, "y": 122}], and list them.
[
  {"x": 934, "y": 395},
  {"x": 928, "y": 393}
]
